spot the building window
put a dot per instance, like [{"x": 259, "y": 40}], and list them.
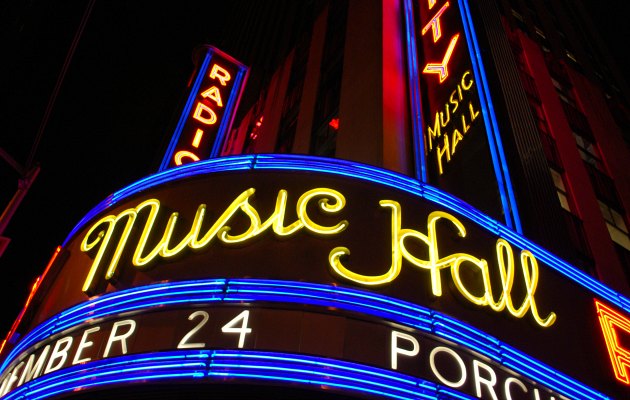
[
  {"x": 577, "y": 121},
  {"x": 616, "y": 224},
  {"x": 561, "y": 189},
  {"x": 519, "y": 20},
  {"x": 589, "y": 152},
  {"x": 565, "y": 93},
  {"x": 624, "y": 257},
  {"x": 603, "y": 186},
  {"x": 529, "y": 85},
  {"x": 583, "y": 258}
]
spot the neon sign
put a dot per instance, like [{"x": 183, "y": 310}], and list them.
[
  {"x": 209, "y": 111},
  {"x": 456, "y": 133},
  {"x": 611, "y": 322},
  {"x": 443, "y": 246},
  {"x": 454, "y": 262},
  {"x": 329, "y": 201},
  {"x": 210, "y": 326},
  {"x": 434, "y": 46}
]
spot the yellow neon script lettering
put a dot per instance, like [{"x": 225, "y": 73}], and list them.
[
  {"x": 329, "y": 201},
  {"x": 454, "y": 262}
]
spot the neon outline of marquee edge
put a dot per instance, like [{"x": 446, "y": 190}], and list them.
[
  {"x": 243, "y": 291},
  {"x": 231, "y": 105},
  {"x": 292, "y": 162},
  {"x": 495, "y": 145},
  {"x": 217, "y": 365}
]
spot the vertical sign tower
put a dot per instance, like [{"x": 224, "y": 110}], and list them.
[
  {"x": 456, "y": 132},
  {"x": 207, "y": 117}
]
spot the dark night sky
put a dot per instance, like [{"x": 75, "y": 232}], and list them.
[
  {"x": 112, "y": 116},
  {"x": 109, "y": 125}
]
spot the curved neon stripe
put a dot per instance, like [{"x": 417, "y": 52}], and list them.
[
  {"x": 293, "y": 162},
  {"x": 209, "y": 366},
  {"x": 237, "y": 291}
]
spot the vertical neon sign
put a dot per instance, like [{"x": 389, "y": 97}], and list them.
[
  {"x": 209, "y": 110},
  {"x": 458, "y": 142}
]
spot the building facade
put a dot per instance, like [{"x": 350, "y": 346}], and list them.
[{"x": 360, "y": 199}]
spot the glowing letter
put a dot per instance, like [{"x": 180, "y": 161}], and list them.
[
  {"x": 213, "y": 94},
  {"x": 84, "y": 344},
  {"x": 110, "y": 221},
  {"x": 33, "y": 371},
  {"x": 488, "y": 382},
  {"x": 457, "y": 358},
  {"x": 5, "y": 385},
  {"x": 11, "y": 379},
  {"x": 435, "y": 263},
  {"x": 114, "y": 337},
  {"x": 219, "y": 73},
  {"x": 211, "y": 119},
  {"x": 415, "y": 347},
  {"x": 325, "y": 206},
  {"x": 457, "y": 137},
  {"x": 441, "y": 151},
  {"x": 435, "y": 131},
  {"x": 183, "y": 344},
  {"x": 243, "y": 330},
  {"x": 197, "y": 139},
  {"x": 180, "y": 155},
  {"x": 59, "y": 353},
  {"x": 619, "y": 357},
  {"x": 509, "y": 382},
  {"x": 394, "y": 269},
  {"x": 468, "y": 85}
]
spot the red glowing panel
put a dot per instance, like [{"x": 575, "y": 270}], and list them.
[
  {"x": 434, "y": 23},
  {"x": 442, "y": 67},
  {"x": 334, "y": 123},
  {"x": 612, "y": 323}
]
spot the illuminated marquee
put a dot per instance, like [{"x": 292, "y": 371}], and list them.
[
  {"x": 406, "y": 281},
  {"x": 450, "y": 94},
  {"x": 332, "y": 202},
  {"x": 208, "y": 113},
  {"x": 411, "y": 352}
]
